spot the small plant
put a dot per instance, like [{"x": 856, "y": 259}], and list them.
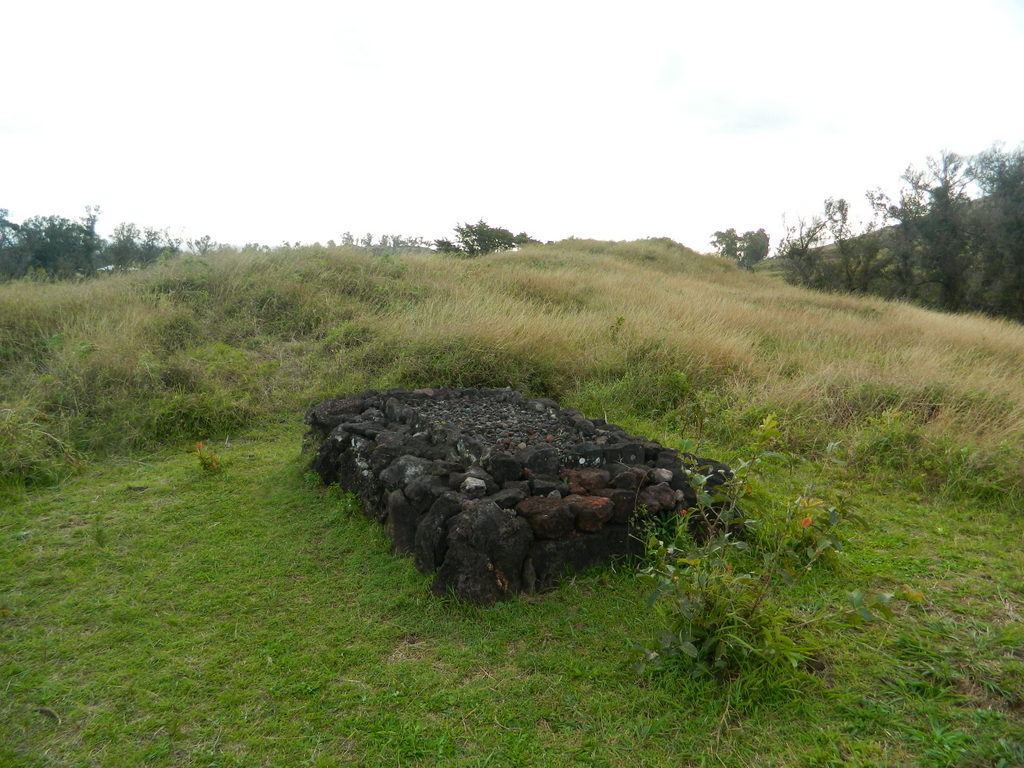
[
  {"x": 811, "y": 533},
  {"x": 208, "y": 460},
  {"x": 719, "y": 602},
  {"x": 720, "y": 619}
]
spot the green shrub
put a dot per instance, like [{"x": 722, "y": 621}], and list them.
[
  {"x": 187, "y": 415},
  {"x": 719, "y": 620},
  {"x": 716, "y": 588}
]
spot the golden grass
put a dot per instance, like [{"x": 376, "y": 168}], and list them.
[{"x": 574, "y": 313}]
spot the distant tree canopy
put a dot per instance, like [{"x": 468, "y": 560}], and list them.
[
  {"x": 746, "y": 249},
  {"x": 480, "y": 238},
  {"x": 55, "y": 246},
  {"x": 952, "y": 240}
]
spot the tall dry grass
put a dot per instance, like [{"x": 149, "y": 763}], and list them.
[{"x": 191, "y": 348}]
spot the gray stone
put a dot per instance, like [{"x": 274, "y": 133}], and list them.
[
  {"x": 473, "y": 487},
  {"x": 403, "y": 471},
  {"x": 660, "y": 475}
]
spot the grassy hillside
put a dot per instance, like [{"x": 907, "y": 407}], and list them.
[
  {"x": 155, "y": 614},
  {"x": 645, "y": 331}
]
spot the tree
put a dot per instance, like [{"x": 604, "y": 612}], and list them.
[
  {"x": 753, "y": 248},
  {"x": 12, "y": 256},
  {"x": 8, "y": 230},
  {"x": 480, "y": 238},
  {"x": 943, "y": 230},
  {"x": 60, "y": 247},
  {"x": 800, "y": 253},
  {"x": 727, "y": 244},
  {"x": 953, "y": 239},
  {"x": 132, "y": 247},
  {"x": 201, "y": 246},
  {"x": 998, "y": 223},
  {"x": 746, "y": 250},
  {"x": 901, "y": 272},
  {"x": 859, "y": 258}
]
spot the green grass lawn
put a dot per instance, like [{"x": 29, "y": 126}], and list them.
[{"x": 153, "y": 614}]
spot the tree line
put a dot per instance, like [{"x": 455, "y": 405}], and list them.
[
  {"x": 58, "y": 247},
  {"x": 952, "y": 239},
  {"x": 55, "y": 246}
]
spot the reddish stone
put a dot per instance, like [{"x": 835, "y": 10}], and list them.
[
  {"x": 591, "y": 512},
  {"x": 623, "y": 501},
  {"x": 589, "y": 478},
  {"x": 549, "y": 517}
]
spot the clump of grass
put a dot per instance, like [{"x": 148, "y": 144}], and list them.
[{"x": 30, "y": 452}]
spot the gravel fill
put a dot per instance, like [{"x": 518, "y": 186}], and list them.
[{"x": 503, "y": 426}]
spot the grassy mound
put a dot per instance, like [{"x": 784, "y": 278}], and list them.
[{"x": 647, "y": 331}]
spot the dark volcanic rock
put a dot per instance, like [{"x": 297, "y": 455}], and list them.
[
  {"x": 401, "y": 522},
  {"x": 546, "y": 485},
  {"x": 430, "y": 541},
  {"x": 507, "y": 498},
  {"x": 404, "y": 470},
  {"x": 555, "y": 558},
  {"x": 422, "y": 491},
  {"x": 624, "y": 504},
  {"x": 504, "y": 468},
  {"x": 324, "y": 417},
  {"x": 658, "y": 498},
  {"x": 630, "y": 479},
  {"x": 541, "y": 460},
  {"x": 486, "y": 549}
]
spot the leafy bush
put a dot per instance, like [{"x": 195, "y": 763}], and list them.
[
  {"x": 720, "y": 620},
  {"x": 717, "y": 592}
]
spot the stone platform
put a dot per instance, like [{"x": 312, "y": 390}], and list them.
[{"x": 496, "y": 493}]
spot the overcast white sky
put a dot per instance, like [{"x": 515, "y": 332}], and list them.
[{"x": 294, "y": 121}]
